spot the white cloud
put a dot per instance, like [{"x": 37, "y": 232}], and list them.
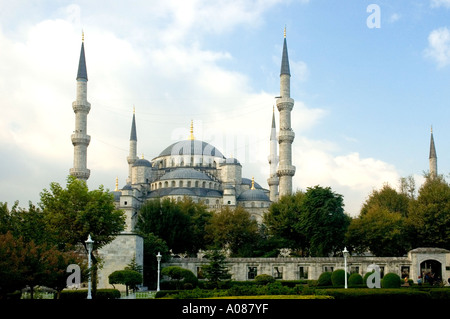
[
  {"x": 440, "y": 3},
  {"x": 347, "y": 174},
  {"x": 439, "y": 46}
]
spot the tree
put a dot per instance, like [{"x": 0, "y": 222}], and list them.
[
  {"x": 233, "y": 229},
  {"x": 127, "y": 277},
  {"x": 380, "y": 226},
  {"x": 323, "y": 221},
  {"x": 73, "y": 213},
  {"x": 167, "y": 220},
  {"x": 152, "y": 246},
  {"x": 24, "y": 263},
  {"x": 281, "y": 221},
  {"x": 429, "y": 216},
  {"x": 388, "y": 198},
  {"x": 216, "y": 270}
]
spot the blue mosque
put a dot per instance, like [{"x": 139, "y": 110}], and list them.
[{"x": 189, "y": 167}]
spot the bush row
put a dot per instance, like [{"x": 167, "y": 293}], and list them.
[{"x": 82, "y": 294}]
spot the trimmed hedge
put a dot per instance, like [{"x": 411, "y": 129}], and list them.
[
  {"x": 355, "y": 280},
  {"x": 324, "y": 279},
  {"x": 391, "y": 280},
  {"x": 338, "y": 278},
  {"x": 374, "y": 294},
  {"x": 102, "y": 294}
]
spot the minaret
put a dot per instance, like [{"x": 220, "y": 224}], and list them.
[
  {"x": 273, "y": 161},
  {"x": 81, "y": 107},
  {"x": 132, "y": 156},
  {"x": 433, "y": 157},
  {"x": 286, "y": 136}
]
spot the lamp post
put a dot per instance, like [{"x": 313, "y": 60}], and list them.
[
  {"x": 158, "y": 257},
  {"x": 345, "y": 252},
  {"x": 89, "y": 244}
]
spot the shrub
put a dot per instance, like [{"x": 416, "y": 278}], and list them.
[
  {"x": 264, "y": 279},
  {"x": 180, "y": 275},
  {"x": 338, "y": 278},
  {"x": 391, "y": 280},
  {"x": 355, "y": 280},
  {"x": 324, "y": 279}
]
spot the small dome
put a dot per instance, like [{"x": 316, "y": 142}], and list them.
[
  {"x": 253, "y": 195},
  {"x": 127, "y": 187},
  {"x": 231, "y": 161},
  {"x": 142, "y": 162},
  {"x": 185, "y": 173},
  {"x": 248, "y": 181}
]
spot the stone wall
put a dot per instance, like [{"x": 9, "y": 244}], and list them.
[
  {"x": 294, "y": 268},
  {"x": 118, "y": 254}
]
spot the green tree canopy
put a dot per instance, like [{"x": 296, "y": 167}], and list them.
[
  {"x": 380, "y": 226},
  {"x": 73, "y": 213},
  {"x": 323, "y": 221},
  {"x": 429, "y": 216},
  {"x": 233, "y": 229},
  {"x": 281, "y": 221},
  {"x": 180, "y": 224}
]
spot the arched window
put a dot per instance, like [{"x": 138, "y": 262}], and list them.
[
  {"x": 173, "y": 183},
  {"x": 181, "y": 183},
  {"x": 196, "y": 183},
  {"x": 189, "y": 184},
  {"x": 166, "y": 184}
]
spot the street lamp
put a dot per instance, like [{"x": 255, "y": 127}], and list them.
[
  {"x": 158, "y": 257},
  {"x": 89, "y": 244},
  {"x": 345, "y": 252}
]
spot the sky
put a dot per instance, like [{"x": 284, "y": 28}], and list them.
[{"x": 369, "y": 80}]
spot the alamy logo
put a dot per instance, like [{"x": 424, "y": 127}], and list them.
[
  {"x": 74, "y": 279},
  {"x": 374, "y": 279},
  {"x": 374, "y": 19}
]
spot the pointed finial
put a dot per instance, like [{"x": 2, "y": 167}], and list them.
[
  {"x": 253, "y": 183},
  {"x": 285, "y": 31},
  {"x": 142, "y": 157},
  {"x": 191, "y": 137},
  {"x": 134, "y": 109},
  {"x": 431, "y": 129},
  {"x": 82, "y": 35},
  {"x": 117, "y": 184}
]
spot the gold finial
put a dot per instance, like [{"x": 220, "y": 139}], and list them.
[
  {"x": 253, "y": 183},
  {"x": 191, "y": 137},
  {"x": 82, "y": 36},
  {"x": 117, "y": 184},
  {"x": 142, "y": 157},
  {"x": 431, "y": 129},
  {"x": 134, "y": 109},
  {"x": 285, "y": 31}
]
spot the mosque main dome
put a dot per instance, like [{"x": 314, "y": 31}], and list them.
[{"x": 191, "y": 147}]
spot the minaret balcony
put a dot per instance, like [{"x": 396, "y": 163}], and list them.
[
  {"x": 286, "y": 136},
  {"x": 273, "y": 180},
  {"x": 285, "y": 103},
  {"x": 78, "y": 106},
  {"x": 286, "y": 170},
  {"x": 80, "y": 173},
  {"x": 80, "y": 139}
]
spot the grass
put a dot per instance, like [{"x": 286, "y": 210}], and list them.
[{"x": 275, "y": 297}]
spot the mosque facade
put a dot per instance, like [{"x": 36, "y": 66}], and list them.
[{"x": 190, "y": 167}]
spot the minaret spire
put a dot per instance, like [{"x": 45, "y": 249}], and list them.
[
  {"x": 273, "y": 180},
  {"x": 433, "y": 157},
  {"x": 286, "y": 136},
  {"x": 81, "y": 108},
  {"x": 132, "y": 156}
]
